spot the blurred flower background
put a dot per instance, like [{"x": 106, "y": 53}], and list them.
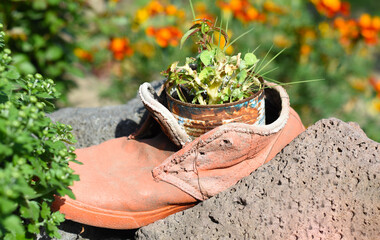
[{"x": 102, "y": 50}]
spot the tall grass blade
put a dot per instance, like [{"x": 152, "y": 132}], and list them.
[
  {"x": 242, "y": 35},
  {"x": 258, "y": 72}
]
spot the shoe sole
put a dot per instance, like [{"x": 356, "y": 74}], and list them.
[{"x": 104, "y": 218}]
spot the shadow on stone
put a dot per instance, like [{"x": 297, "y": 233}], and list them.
[
  {"x": 81, "y": 231},
  {"x": 125, "y": 127}
]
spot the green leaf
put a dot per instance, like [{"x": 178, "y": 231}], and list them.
[
  {"x": 250, "y": 59},
  {"x": 33, "y": 228},
  {"x": 53, "y": 53},
  {"x": 242, "y": 75},
  {"x": 7, "y": 206},
  {"x": 39, "y": 4},
  {"x": 12, "y": 73},
  {"x": 187, "y": 35},
  {"x": 206, "y": 57},
  {"x": 219, "y": 55},
  {"x": 45, "y": 210},
  {"x": 38, "y": 41},
  {"x": 30, "y": 210},
  {"x": 58, "y": 217},
  {"x": 13, "y": 224},
  {"x": 206, "y": 73},
  {"x": 75, "y": 71}
]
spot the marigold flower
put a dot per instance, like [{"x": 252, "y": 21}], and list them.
[
  {"x": 333, "y": 5},
  {"x": 165, "y": 36},
  {"x": 252, "y": 13},
  {"x": 345, "y": 9},
  {"x": 154, "y": 8},
  {"x": 376, "y": 23},
  {"x": 171, "y": 10},
  {"x": 369, "y": 28},
  {"x": 141, "y": 15},
  {"x": 305, "y": 50},
  {"x": 375, "y": 84},
  {"x": 365, "y": 21},
  {"x": 120, "y": 47},
  {"x": 83, "y": 54},
  {"x": 330, "y": 8},
  {"x": 348, "y": 30},
  {"x": 150, "y": 31},
  {"x": 242, "y": 10}
]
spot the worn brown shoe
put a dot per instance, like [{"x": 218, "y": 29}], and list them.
[{"x": 126, "y": 184}]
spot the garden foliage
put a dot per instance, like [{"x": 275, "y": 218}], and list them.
[
  {"x": 33, "y": 155},
  {"x": 41, "y": 35},
  {"x": 323, "y": 39}
]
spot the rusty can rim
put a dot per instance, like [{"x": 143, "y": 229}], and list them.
[{"x": 217, "y": 105}]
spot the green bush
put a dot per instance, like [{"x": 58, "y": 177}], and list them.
[
  {"x": 41, "y": 35},
  {"x": 33, "y": 155}
]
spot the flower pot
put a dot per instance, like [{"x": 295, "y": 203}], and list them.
[{"x": 197, "y": 119}]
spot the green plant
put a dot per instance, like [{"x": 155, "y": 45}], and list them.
[
  {"x": 41, "y": 35},
  {"x": 213, "y": 77},
  {"x": 33, "y": 155}
]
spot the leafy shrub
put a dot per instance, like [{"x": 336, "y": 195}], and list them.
[
  {"x": 41, "y": 35},
  {"x": 33, "y": 155}
]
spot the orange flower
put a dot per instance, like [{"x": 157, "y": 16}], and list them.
[
  {"x": 330, "y": 8},
  {"x": 242, "y": 10},
  {"x": 305, "y": 50},
  {"x": 120, "y": 48},
  {"x": 165, "y": 36},
  {"x": 348, "y": 30},
  {"x": 345, "y": 9},
  {"x": 369, "y": 28},
  {"x": 83, "y": 54},
  {"x": 154, "y": 8},
  {"x": 171, "y": 10},
  {"x": 375, "y": 84}
]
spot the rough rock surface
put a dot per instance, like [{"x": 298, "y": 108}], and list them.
[{"x": 323, "y": 185}]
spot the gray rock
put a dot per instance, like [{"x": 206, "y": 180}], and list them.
[
  {"x": 92, "y": 126},
  {"x": 323, "y": 185}
]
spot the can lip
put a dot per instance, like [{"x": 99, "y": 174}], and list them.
[{"x": 217, "y": 105}]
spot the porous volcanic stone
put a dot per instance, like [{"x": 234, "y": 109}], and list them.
[
  {"x": 323, "y": 185},
  {"x": 92, "y": 126}
]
